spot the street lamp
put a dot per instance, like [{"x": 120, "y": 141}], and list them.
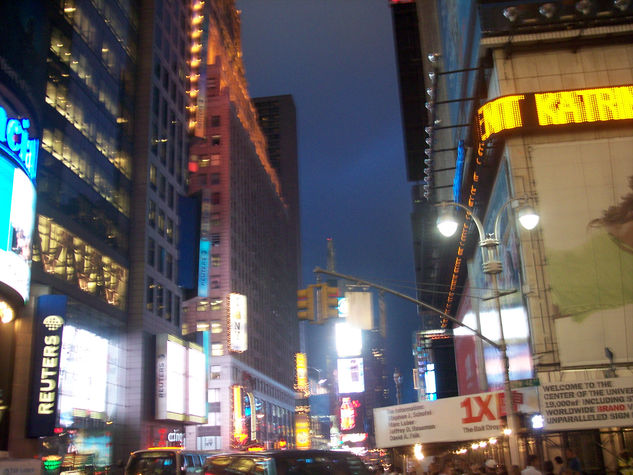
[{"x": 489, "y": 244}]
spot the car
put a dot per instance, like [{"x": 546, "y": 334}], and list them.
[
  {"x": 286, "y": 462},
  {"x": 166, "y": 461}
]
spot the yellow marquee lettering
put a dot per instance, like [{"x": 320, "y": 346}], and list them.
[{"x": 45, "y": 408}]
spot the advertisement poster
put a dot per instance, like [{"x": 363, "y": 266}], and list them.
[
  {"x": 585, "y": 192},
  {"x": 476, "y": 416},
  {"x": 578, "y": 405}
]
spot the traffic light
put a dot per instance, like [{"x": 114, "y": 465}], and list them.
[
  {"x": 305, "y": 303},
  {"x": 328, "y": 302}
]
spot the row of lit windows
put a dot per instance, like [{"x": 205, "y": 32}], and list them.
[
  {"x": 158, "y": 183},
  {"x": 104, "y": 90},
  {"x": 80, "y": 163},
  {"x": 162, "y": 302},
  {"x": 84, "y": 19},
  {"x": 69, "y": 258},
  {"x": 84, "y": 115},
  {"x": 163, "y": 224}
]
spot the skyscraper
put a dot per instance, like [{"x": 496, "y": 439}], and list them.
[
  {"x": 111, "y": 168},
  {"x": 244, "y": 296}
]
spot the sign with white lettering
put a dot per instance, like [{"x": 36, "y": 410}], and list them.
[
  {"x": 577, "y": 405},
  {"x": 49, "y": 324},
  {"x": 472, "y": 417}
]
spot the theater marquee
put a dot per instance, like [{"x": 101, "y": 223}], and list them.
[{"x": 544, "y": 109}]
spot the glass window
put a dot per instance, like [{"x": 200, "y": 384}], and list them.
[
  {"x": 169, "y": 267},
  {"x": 216, "y": 326},
  {"x": 215, "y": 159},
  {"x": 160, "y": 303},
  {"x": 216, "y": 303},
  {"x": 215, "y": 239},
  {"x": 214, "y": 395},
  {"x": 169, "y": 230},
  {"x": 150, "y": 295},
  {"x": 202, "y": 305},
  {"x": 161, "y": 222},
  {"x": 215, "y": 198},
  {"x": 151, "y": 251},
  {"x": 152, "y": 176},
  {"x": 168, "y": 296},
  {"x": 215, "y": 219},
  {"x": 215, "y": 121},
  {"x": 215, "y": 178},
  {"x": 216, "y": 372},
  {"x": 152, "y": 213},
  {"x": 217, "y": 349},
  {"x": 215, "y": 140},
  {"x": 216, "y": 260},
  {"x": 161, "y": 259}
]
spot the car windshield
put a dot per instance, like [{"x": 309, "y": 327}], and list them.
[{"x": 152, "y": 463}]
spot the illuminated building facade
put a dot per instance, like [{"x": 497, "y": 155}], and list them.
[
  {"x": 113, "y": 128},
  {"x": 247, "y": 247},
  {"x": 536, "y": 101}
]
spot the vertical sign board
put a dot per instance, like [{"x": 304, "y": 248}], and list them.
[
  {"x": 238, "y": 333},
  {"x": 203, "y": 268},
  {"x": 47, "y": 343}
]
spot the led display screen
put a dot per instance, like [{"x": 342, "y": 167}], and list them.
[
  {"x": 533, "y": 110},
  {"x": 301, "y": 360},
  {"x": 349, "y": 340},
  {"x": 351, "y": 375},
  {"x": 18, "y": 163},
  {"x": 84, "y": 370}
]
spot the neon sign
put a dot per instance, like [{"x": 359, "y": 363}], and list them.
[
  {"x": 15, "y": 141},
  {"x": 535, "y": 110}
]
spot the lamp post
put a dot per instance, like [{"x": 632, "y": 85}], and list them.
[{"x": 492, "y": 266}]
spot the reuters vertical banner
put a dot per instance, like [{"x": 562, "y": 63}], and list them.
[{"x": 47, "y": 342}]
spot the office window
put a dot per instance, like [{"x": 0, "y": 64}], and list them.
[
  {"x": 215, "y": 198},
  {"x": 169, "y": 230},
  {"x": 216, "y": 303},
  {"x": 215, "y": 159},
  {"x": 215, "y": 239},
  {"x": 216, "y": 326},
  {"x": 215, "y": 140},
  {"x": 161, "y": 259},
  {"x": 215, "y": 283},
  {"x": 215, "y": 219},
  {"x": 169, "y": 267},
  {"x": 161, "y": 222},
  {"x": 151, "y": 214},
  {"x": 215, "y": 121},
  {"x": 213, "y": 395},
  {"x": 168, "y": 313},
  {"x": 204, "y": 161},
  {"x": 216, "y": 260},
  {"x": 160, "y": 302},
  {"x": 217, "y": 349},
  {"x": 149, "y": 304},
  {"x": 202, "y": 305},
  {"x": 215, "y": 178},
  {"x": 153, "y": 175},
  {"x": 151, "y": 252},
  {"x": 176, "y": 319},
  {"x": 216, "y": 372}
]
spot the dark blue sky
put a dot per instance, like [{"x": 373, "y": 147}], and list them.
[{"x": 337, "y": 59}]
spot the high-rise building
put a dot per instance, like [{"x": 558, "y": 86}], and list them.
[
  {"x": 244, "y": 296},
  {"x": 111, "y": 111}
]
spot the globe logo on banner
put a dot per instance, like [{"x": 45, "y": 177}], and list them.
[{"x": 53, "y": 322}]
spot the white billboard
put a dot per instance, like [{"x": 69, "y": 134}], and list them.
[
  {"x": 472, "y": 417},
  {"x": 180, "y": 380},
  {"x": 578, "y": 405},
  {"x": 351, "y": 375},
  {"x": 238, "y": 329},
  {"x": 349, "y": 340}
]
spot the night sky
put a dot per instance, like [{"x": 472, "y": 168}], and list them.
[{"x": 337, "y": 59}]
